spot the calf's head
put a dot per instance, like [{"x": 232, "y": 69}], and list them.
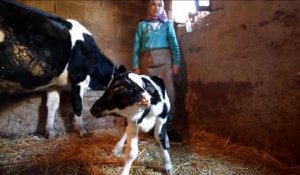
[{"x": 124, "y": 96}]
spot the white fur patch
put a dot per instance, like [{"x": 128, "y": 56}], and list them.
[
  {"x": 147, "y": 123},
  {"x": 77, "y": 31},
  {"x": 166, "y": 160},
  {"x": 62, "y": 79},
  {"x": 53, "y": 99},
  {"x": 138, "y": 80},
  {"x": 119, "y": 146},
  {"x": 1, "y": 36},
  {"x": 84, "y": 85}
]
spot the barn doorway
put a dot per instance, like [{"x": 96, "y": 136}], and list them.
[{"x": 185, "y": 13}]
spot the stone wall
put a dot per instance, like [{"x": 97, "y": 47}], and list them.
[{"x": 241, "y": 64}]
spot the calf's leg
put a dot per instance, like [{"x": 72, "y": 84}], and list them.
[
  {"x": 131, "y": 151},
  {"x": 160, "y": 134},
  {"x": 119, "y": 146}
]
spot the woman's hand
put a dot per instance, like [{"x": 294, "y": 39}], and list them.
[
  {"x": 175, "y": 70},
  {"x": 136, "y": 70}
]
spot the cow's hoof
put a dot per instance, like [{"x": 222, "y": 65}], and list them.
[
  {"x": 84, "y": 133},
  {"x": 51, "y": 134}
]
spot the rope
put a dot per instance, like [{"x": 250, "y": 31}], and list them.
[{"x": 112, "y": 76}]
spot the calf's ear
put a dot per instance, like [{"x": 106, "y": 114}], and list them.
[{"x": 121, "y": 69}]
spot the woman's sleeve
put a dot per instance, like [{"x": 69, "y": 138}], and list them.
[
  {"x": 137, "y": 46},
  {"x": 172, "y": 39}
]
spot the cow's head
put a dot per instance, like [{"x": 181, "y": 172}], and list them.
[
  {"x": 87, "y": 59},
  {"x": 103, "y": 74},
  {"x": 125, "y": 96}
]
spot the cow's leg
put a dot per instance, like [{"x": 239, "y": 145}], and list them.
[
  {"x": 119, "y": 146},
  {"x": 132, "y": 150},
  {"x": 52, "y": 106},
  {"x": 77, "y": 94},
  {"x": 160, "y": 134}
]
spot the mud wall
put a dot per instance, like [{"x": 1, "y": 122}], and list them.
[{"x": 241, "y": 63}]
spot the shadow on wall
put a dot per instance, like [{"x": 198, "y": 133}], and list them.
[
  {"x": 218, "y": 106},
  {"x": 180, "y": 120}
]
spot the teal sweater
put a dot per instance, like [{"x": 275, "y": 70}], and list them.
[{"x": 146, "y": 39}]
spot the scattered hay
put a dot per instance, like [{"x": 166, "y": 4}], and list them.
[
  {"x": 70, "y": 154},
  {"x": 223, "y": 156}
]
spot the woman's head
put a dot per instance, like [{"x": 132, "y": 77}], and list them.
[{"x": 156, "y": 10}]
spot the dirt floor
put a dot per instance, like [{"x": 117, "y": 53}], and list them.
[{"x": 70, "y": 154}]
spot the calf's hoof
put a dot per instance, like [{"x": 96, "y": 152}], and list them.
[
  {"x": 168, "y": 172},
  {"x": 168, "y": 169},
  {"x": 117, "y": 151}
]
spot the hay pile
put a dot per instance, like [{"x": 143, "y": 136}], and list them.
[{"x": 70, "y": 154}]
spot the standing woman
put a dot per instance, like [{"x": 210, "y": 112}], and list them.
[{"x": 156, "y": 50}]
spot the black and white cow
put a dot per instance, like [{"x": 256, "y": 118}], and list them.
[
  {"x": 39, "y": 50},
  {"x": 143, "y": 101}
]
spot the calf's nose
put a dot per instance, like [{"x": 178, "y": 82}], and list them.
[{"x": 145, "y": 102}]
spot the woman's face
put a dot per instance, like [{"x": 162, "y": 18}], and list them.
[{"x": 155, "y": 7}]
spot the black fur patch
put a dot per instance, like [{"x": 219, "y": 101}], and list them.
[
  {"x": 36, "y": 46},
  {"x": 76, "y": 100},
  {"x": 163, "y": 137},
  {"x": 146, "y": 112},
  {"x": 164, "y": 113},
  {"x": 160, "y": 82},
  {"x": 103, "y": 69},
  {"x": 155, "y": 97}
]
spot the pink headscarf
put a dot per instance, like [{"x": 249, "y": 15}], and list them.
[{"x": 162, "y": 16}]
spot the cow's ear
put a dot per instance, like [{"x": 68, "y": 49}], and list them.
[{"x": 122, "y": 69}]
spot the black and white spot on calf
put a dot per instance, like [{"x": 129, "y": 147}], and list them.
[
  {"x": 143, "y": 101},
  {"x": 42, "y": 51}
]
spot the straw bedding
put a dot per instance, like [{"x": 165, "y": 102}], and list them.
[{"x": 70, "y": 154}]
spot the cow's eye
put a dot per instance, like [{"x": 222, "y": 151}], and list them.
[
  {"x": 134, "y": 89},
  {"x": 118, "y": 88}
]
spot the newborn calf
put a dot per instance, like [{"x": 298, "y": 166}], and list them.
[{"x": 143, "y": 101}]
